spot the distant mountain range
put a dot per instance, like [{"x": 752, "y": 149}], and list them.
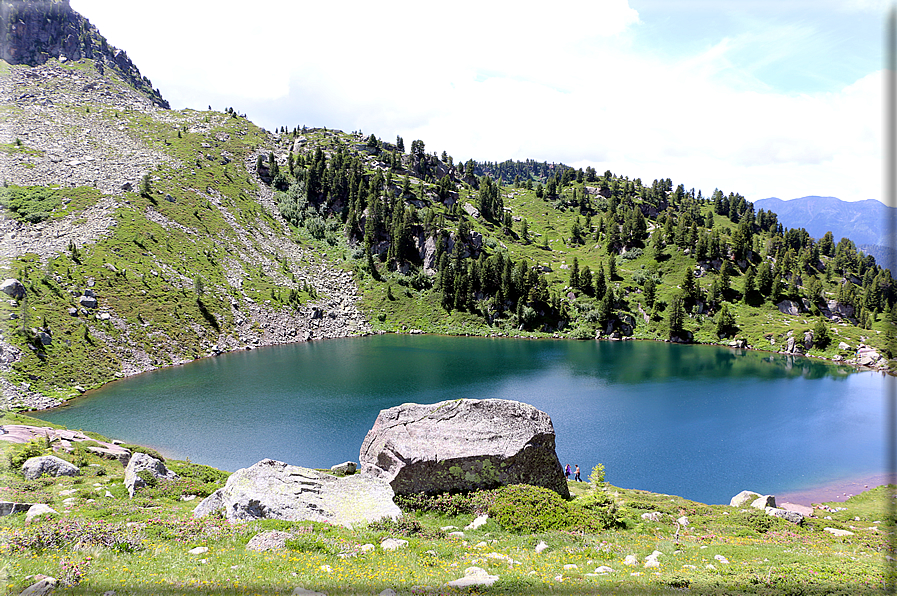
[{"x": 867, "y": 223}]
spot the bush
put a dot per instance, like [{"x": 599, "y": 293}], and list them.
[
  {"x": 175, "y": 489},
  {"x": 148, "y": 479},
  {"x": 596, "y": 512},
  {"x": 199, "y": 472},
  {"x": 19, "y": 454},
  {"x": 62, "y": 533},
  {"x": 522, "y": 509}
]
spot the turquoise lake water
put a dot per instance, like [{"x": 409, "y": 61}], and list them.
[{"x": 698, "y": 421}]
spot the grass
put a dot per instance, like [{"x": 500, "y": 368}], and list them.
[{"x": 152, "y": 533}]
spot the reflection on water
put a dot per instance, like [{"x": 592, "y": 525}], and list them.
[{"x": 700, "y": 421}]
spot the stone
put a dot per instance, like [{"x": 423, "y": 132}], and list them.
[
  {"x": 808, "y": 339},
  {"x": 41, "y": 588},
  {"x": 37, "y": 510},
  {"x": 683, "y": 521},
  {"x": 789, "y": 307},
  {"x": 393, "y": 544},
  {"x": 140, "y": 462},
  {"x": 843, "y": 346},
  {"x": 272, "y": 540},
  {"x": 35, "y": 467},
  {"x": 479, "y": 521},
  {"x": 723, "y": 560},
  {"x": 344, "y": 468},
  {"x": 652, "y": 516},
  {"x": 763, "y": 502},
  {"x": 13, "y": 287},
  {"x": 87, "y": 301},
  {"x": 743, "y": 498},
  {"x": 473, "y": 576},
  {"x": 541, "y": 546},
  {"x": 630, "y": 560},
  {"x": 199, "y": 550},
  {"x": 604, "y": 569},
  {"x": 462, "y": 445},
  {"x": 793, "y": 516},
  {"x": 838, "y": 532},
  {"x": 300, "y": 591},
  {"x": 388, "y": 592},
  {"x": 275, "y": 490},
  {"x": 9, "y": 508},
  {"x": 44, "y": 338}
]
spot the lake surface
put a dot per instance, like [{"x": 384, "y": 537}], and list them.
[{"x": 698, "y": 421}]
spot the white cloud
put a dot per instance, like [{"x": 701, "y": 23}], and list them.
[{"x": 513, "y": 80}]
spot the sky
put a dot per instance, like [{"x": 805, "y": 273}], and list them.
[{"x": 767, "y": 98}]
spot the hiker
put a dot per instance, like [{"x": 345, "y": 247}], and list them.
[
  {"x": 567, "y": 471},
  {"x": 577, "y": 478}
]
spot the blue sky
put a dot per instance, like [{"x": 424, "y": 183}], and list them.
[{"x": 759, "y": 97}]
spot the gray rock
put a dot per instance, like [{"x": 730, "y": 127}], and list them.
[
  {"x": 87, "y": 301},
  {"x": 13, "y": 287},
  {"x": 763, "y": 502},
  {"x": 273, "y": 540},
  {"x": 45, "y": 338},
  {"x": 344, "y": 468},
  {"x": 789, "y": 307},
  {"x": 35, "y": 467},
  {"x": 743, "y": 498},
  {"x": 793, "y": 516},
  {"x": 41, "y": 588},
  {"x": 9, "y": 508},
  {"x": 474, "y": 576},
  {"x": 275, "y": 490},
  {"x": 843, "y": 346},
  {"x": 300, "y": 591},
  {"x": 808, "y": 339},
  {"x": 39, "y": 509},
  {"x": 140, "y": 462},
  {"x": 462, "y": 445}
]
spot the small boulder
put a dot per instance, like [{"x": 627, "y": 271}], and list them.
[
  {"x": 272, "y": 540},
  {"x": 743, "y": 498},
  {"x": 541, "y": 546},
  {"x": 13, "y": 288},
  {"x": 140, "y": 462},
  {"x": 300, "y": 591},
  {"x": 652, "y": 516},
  {"x": 479, "y": 521},
  {"x": 838, "y": 532},
  {"x": 35, "y": 467},
  {"x": 87, "y": 302},
  {"x": 843, "y": 346},
  {"x": 393, "y": 544},
  {"x": 345, "y": 468},
  {"x": 763, "y": 502},
  {"x": 39, "y": 509},
  {"x": 474, "y": 576},
  {"x": 42, "y": 588},
  {"x": 793, "y": 516}
]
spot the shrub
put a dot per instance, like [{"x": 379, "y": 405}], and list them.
[
  {"x": 68, "y": 533},
  {"x": 148, "y": 479},
  {"x": 477, "y": 502},
  {"x": 175, "y": 489},
  {"x": 19, "y": 454},
  {"x": 522, "y": 508},
  {"x": 198, "y": 471},
  {"x": 596, "y": 512}
]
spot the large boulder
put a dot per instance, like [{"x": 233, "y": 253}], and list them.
[
  {"x": 275, "y": 490},
  {"x": 142, "y": 462},
  {"x": 35, "y": 467},
  {"x": 462, "y": 445},
  {"x": 744, "y": 498}
]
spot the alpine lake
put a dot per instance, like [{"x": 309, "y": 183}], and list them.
[{"x": 701, "y": 422}]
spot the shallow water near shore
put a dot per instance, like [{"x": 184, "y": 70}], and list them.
[{"x": 702, "y": 422}]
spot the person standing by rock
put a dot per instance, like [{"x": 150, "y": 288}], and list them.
[
  {"x": 567, "y": 471},
  {"x": 576, "y": 477}
]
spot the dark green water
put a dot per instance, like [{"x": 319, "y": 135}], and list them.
[{"x": 696, "y": 421}]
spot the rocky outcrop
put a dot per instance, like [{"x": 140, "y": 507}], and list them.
[
  {"x": 140, "y": 462},
  {"x": 276, "y": 490},
  {"x": 38, "y": 30},
  {"x": 35, "y": 467},
  {"x": 462, "y": 445}
]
